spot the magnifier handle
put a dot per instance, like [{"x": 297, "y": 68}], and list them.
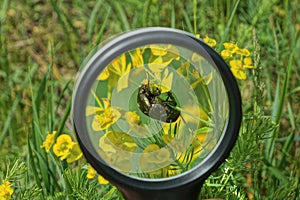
[{"x": 188, "y": 192}]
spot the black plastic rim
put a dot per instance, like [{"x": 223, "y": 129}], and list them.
[{"x": 124, "y": 43}]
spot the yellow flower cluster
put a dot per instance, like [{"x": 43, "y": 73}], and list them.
[
  {"x": 5, "y": 190},
  {"x": 238, "y": 58},
  {"x": 210, "y": 41},
  {"x": 64, "y": 147},
  {"x": 92, "y": 173}
]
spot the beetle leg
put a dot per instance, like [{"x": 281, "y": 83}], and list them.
[{"x": 173, "y": 101}]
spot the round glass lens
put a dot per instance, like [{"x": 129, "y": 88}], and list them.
[{"x": 156, "y": 111}]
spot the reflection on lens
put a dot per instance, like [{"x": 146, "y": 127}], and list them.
[{"x": 156, "y": 111}]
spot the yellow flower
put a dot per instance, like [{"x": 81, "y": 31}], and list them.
[
  {"x": 248, "y": 63},
  {"x": 211, "y": 42},
  {"x": 121, "y": 140},
  {"x": 5, "y": 190},
  {"x": 157, "y": 50},
  {"x": 116, "y": 149},
  {"x": 226, "y": 54},
  {"x": 242, "y": 52},
  {"x": 132, "y": 118},
  {"x": 106, "y": 145},
  {"x": 201, "y": 137},
  {"x": 104, "y": 75},
  {"x": 237, "y": 69},
  {"x": 151, "y": 148},
  {"x": 230, "y": 46},
  {"x": 236, "y": 63},
  {"x": 63, "y": 146},
  {"x": 105, "y": 119},
  {"x": 137, "y": 58},
  {"x": 167, "y": 52},
  {"x": 118, "y": 66},
  {"x": 91, "y": 172},
  {"x": 49, "y": 141},
  {"x": 102, "y": 180},
  {"x": 197, "y": 36},
  {"x": 75, "y": 153},
  {"x": 239, "y": 73}
]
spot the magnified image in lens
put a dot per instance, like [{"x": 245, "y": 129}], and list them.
[{"x": 156, "y": 111}]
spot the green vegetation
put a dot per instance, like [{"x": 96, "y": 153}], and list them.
[{"x": 44, "y": 43}]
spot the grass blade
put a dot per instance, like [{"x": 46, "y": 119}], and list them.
[
  {"x": 8, "y": 120},
  {"x": 122, "y": 16},
  {"x": 31, "y": 164},
  {"x": 226, "y": 31},
  {"x": 145, "y": 13},
  {"x": 276, "y": 172},
  {"x": 173, "y": 14},
  {"x": 92, "y": 20},
  {"x": 278, "y": 108},
  {"x": 65, "y": 117},
  {"x": 186, "y": 18},
  {"x": 103, "y": 26}
]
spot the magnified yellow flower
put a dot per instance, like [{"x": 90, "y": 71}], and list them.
[
  {"x": 117, "y": 148},
  {"x": 162, "y": 156},
  {"x": 197, "y": 35},
  {"x": 63, "y": 146},
  {"x": 118, "y": 66},
  {"x": 106, "y": 145},
  {"x": 167, "y": 52},
  {"x": 154, "y": 157},
  {"x": 102, "y": 180},
  {"x": 137, "y": 58},
  {"x": 49, "y": 141},
  {"x": 134, "y": 121},
  {"x": 237, "y": 69},
  {"x": 75, "y": 153},
  {"x": 151, "y": 148},
  {"x": 158, "y": 50},
  {"x": 211, "y": 42},
  {"x": 113, "y": 141},
  {"x": 122, "y": 140},
  {"x": 104, "y": 75},
  {"x": 132, "y": 118},
  {"x": 5, "y": 190},
  {"x": 91, "y": 110},
  {"x": 105, "y": 119}
]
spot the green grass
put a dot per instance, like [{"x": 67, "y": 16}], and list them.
[{"x": 44, "y": 43}]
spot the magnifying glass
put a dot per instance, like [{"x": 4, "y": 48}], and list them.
[{"x": 156, "y": 111}]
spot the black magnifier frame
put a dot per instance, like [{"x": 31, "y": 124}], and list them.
[{"x": 183, "y": 186}]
